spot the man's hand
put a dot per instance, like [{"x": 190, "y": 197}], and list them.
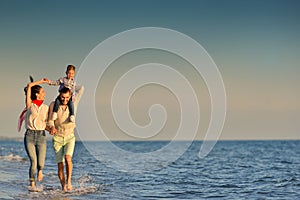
[{"x": 53, "y": 130}]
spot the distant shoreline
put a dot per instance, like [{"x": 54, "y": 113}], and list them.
[
  {"x": 3, "y": 138},
  {"x": 20, "y": 139}
]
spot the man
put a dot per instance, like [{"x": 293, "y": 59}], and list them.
[{"x": 62, "y": 130}]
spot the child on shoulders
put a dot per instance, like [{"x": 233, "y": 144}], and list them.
[{"x": 69, "y": 82}]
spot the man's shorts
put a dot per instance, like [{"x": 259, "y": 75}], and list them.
[{"x": 63, "y": 146}]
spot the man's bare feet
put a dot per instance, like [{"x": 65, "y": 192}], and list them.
[
  {"x": 64, "y": 187},
  {"x": 40, "y": 175},
  {"x": 70, "y": 187}
]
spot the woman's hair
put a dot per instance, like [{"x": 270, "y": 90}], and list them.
[
  {"x": 35, "y": 89},
  {"x": 31, "y": 80},
  {"x": 70, "y": 67}
]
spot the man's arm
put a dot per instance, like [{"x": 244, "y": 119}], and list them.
[{"x": 50, "y": 125}]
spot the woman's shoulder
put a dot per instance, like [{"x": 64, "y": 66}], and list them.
[{"x": 45, "y": 106}]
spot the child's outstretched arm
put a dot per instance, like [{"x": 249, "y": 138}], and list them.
[{"x": 55, "y": 82}]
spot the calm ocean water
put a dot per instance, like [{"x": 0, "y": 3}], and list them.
[{"x": 233, "y": 170}]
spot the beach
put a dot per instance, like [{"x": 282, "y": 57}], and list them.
[{"x": 232, "y": 170}]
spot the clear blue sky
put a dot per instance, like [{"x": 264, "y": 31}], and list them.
[{"x": 255, "y": 44}]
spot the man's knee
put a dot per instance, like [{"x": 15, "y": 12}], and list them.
[{"x": 68, "y": 158}]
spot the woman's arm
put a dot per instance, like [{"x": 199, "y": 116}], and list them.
[
  {"x": 50, "y": 125},
  {"x": 28, "y": 93}
]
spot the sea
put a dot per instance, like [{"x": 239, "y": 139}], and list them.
[{"x": 232, "y": 170}]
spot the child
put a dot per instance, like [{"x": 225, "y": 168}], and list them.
[{"x": 69, "y": 82}]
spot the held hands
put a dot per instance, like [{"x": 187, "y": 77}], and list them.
[
  {"x": 53, "y": 130},
  {"x": 45, "y": 80},
  {"x": 41, "y": 81}
]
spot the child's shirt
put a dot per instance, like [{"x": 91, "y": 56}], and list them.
[{"x": 65, "y": 82}]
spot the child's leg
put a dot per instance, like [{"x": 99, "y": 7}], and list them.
[
  {"x": 56, "y": 104},
  {"x": 71, "y": 110},
  {"x": 55, "y": 108},
  {"x": 71, "y": 107},
  {"x": 78, "y": 93}
]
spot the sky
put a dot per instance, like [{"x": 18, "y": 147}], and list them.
[{"x": 254, "y": 44}]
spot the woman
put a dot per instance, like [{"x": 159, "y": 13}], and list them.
[{"x": 35, "y": 123}]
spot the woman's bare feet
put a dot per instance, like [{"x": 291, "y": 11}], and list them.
[
  {"x": 32, "y": 187},
  {"x": 32, "y": 184},
  {"x": 40, "y": 175}
]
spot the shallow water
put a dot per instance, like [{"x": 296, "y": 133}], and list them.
[{"x": 233, "y": 170}]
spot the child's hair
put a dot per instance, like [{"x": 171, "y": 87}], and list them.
[{"x": 70, "y": 67}]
